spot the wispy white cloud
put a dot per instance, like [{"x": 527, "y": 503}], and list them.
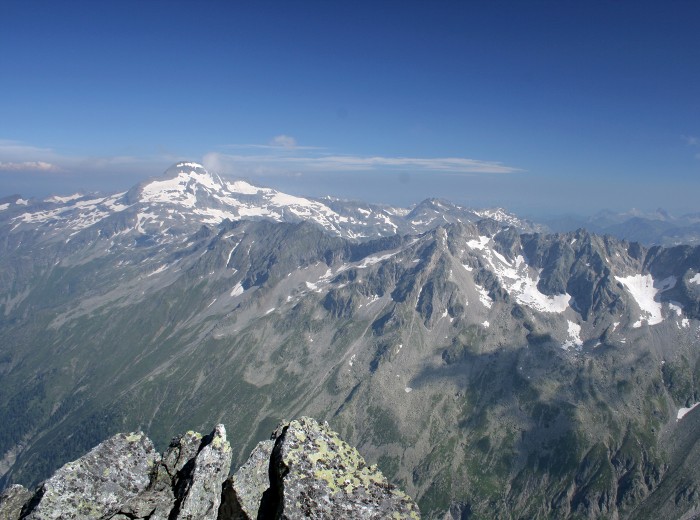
[
  {"x": 271, "y": 163},
  {"x": 693, "y": 141},
  {"x": 280, "y": 143},
  {"x": 17, "y": 151},
  {"x": 16, "y": 156},
  {"x": 283, "y": 157},
  {"x": 284, "y": 141},
  {"x": 449, "y": 164},
  {"x": 37, "y": 166}
]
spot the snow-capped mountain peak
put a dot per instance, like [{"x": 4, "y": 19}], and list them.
[
  {"x": 180, "y": 184},
  {"x": 187, "y": 196},
  {"x": 499, "y": 215}
]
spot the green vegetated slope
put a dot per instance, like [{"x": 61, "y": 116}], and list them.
[{"x": 414, "y": 349}]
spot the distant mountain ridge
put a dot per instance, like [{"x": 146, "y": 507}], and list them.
[
  {"x": 187, "y": 195},
  {"x": 654, "y": 228},
  {"x": 204, "y": 197}
]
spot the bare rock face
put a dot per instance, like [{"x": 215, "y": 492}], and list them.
[
  {"x": 12, "y": 500},
  {"x": 201, "y": 493},
  {"x": 187, "y": 481},
  {"x": 97, "y": 483},
  {"x": 243, "y": 492},
  {"x": 317, "y": 475}
]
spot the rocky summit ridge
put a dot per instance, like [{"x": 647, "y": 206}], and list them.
[{"x": 304, "y": 471}]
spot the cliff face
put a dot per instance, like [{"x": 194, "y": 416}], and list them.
[{"x": 304, "y": 471}]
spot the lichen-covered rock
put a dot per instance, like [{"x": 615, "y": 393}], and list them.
[
  {"x": 97, "y": 483},
  {"x": 12, "y": 500},
  {"x": 151, "y": 504},
  {"x": 158, "y": 500},
  {"x": 201, "y": 495},
  {"x": 181, "y": 451},
  {"x": 186, "y": 482},
  {"x": 243, "y": 491},
  {"x": 306, "y": 471},
  {"x": 317, "y": 475}
]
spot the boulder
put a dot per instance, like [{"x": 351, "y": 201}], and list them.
[
  {"x": 314, "y": 474},
  {"x": 187, "y": 481},
  {"x": 97, "y": 483}
]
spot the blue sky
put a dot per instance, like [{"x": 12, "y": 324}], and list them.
[{"x": 537, "y": 106}]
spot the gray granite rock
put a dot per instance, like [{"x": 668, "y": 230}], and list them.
[
  {"x": 201, "y": 494},
  {"x": 150, "y": 504},
  {"x": 12, "y": 500},
  {"x": 181, "y": 452},
  {"x": 187, "y": 481},
  {"x": 244, "y": 490},
  {"x": 306, "y": 471},
  {"x": 96, "y": 484},
  {"x": 317, "y": 475},
  {"x": 171, "y": 473}
]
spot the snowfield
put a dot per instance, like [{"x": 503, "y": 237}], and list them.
[
  {"x": 683, "y": 411},
  {"x": 642, "y": 289}
]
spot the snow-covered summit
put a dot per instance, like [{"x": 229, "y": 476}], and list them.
[
  {"x": 187, "y": 167},
  {"x": 499, "y": 215},
  {"x": 187, "y": 196},
  {"x": 180, "y": 185}
]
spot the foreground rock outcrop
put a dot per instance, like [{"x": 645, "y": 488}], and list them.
[
  {"x": 304, "y": 471},
  {"x": 343, "y": 486},
  {"x": 96, "y": 483},
  {"x": 186, "y": 482}
]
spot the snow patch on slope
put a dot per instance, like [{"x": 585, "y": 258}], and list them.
[
  {"x": 237, "y": 289},
  {"x": 371, "y": 260},
  {"x": 642, "y": 289},
  {"x": 683, "y": 411},
  {"x": 484, "y": 297},
  {"x": 479, "y": 244},
  {"x": 574, "y": 340},
  {"x": 170, "y": 190},
  {"x": 242, "y": 187},
  {"x": 675, "y": 307},
  {"x": 519, "y": 280}
]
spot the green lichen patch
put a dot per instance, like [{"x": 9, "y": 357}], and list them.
[
  {"x": 134, "y": 437},
  {"x": 330, "y": 476}
]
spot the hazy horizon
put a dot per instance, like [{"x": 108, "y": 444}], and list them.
[{"x": 381, "y": 198}]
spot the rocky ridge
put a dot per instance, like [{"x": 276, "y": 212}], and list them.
[{"x": 304, "y": 471}]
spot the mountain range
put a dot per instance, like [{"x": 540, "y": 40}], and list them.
[
  {"x": 650, "y": 228},
  {"x": 490, "y": 369}
]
